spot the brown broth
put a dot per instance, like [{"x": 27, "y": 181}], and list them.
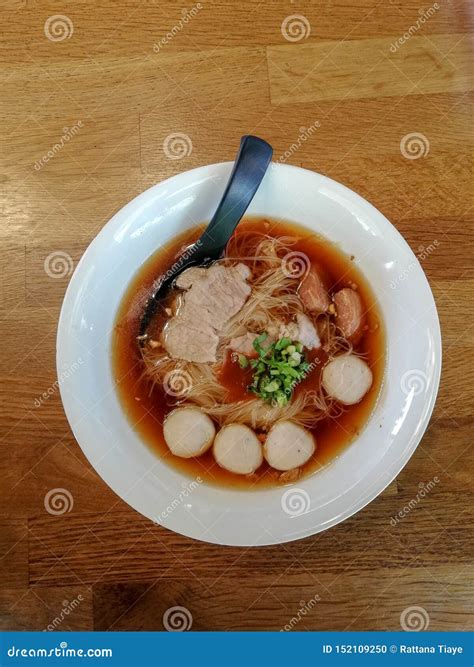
[{"x": 146, "y": 406}]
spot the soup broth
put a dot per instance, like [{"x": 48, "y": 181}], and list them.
[{"x": 146, "y": 404}]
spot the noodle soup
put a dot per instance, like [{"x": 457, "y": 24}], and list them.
[{"x": 256, "y": 371}]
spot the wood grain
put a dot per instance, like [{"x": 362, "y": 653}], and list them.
[
  {"x": 83, "y": 553},
  {"x": 370, "y": 68},
  {"x": 228, "y": 71}
]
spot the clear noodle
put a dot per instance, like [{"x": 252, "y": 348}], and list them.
[{"x": 273, "y": 298}]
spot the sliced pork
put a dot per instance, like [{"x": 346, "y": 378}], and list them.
[
  {"x": 313, "y": 293},
  {"x": 244, "y": 345},
  {"x": 188, "y": 277},
  {"x": 303, "y": 331},
  {"x": 213, "y": 295},
  {"x": 307, "y": 334},
  {"x": 349, "y": 314},
  {"x": 191, "y": 341}
]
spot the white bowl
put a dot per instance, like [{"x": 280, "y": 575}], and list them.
[{"x": 268, "y": 516}]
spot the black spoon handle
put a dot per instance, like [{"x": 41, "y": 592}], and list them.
[{"x": 250, "y": 166}]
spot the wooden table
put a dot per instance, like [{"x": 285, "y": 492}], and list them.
[{"x": 88, "y": 100}]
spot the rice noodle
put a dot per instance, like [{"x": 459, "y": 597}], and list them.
[{"x": 273, "y": 299}]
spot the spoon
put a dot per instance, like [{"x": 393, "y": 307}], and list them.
[{"x": 250, "y": 166}]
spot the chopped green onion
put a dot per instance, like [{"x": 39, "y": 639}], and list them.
[
  {"x": 243, "y": 361},
  {"x": 282, "y": 343},
  {"x": 280, "y": 366},
  {"x": 272, "y": 386}
]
